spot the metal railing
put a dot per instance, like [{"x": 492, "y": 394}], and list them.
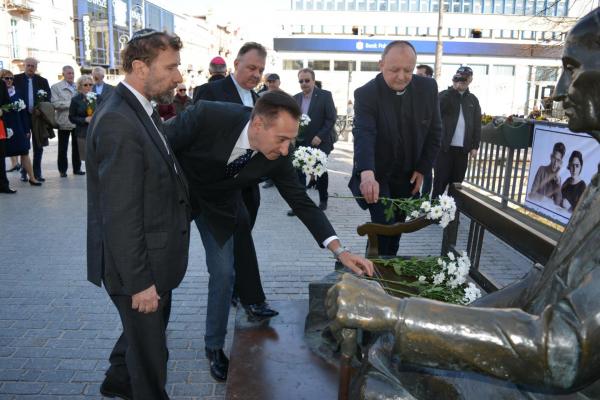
[{"x": 501, "y": 166}]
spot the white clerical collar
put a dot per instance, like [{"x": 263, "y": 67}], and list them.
[{"x": 141, "y": 98}]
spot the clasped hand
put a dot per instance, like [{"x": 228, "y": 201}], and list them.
[{"x": 145, "y": 301}]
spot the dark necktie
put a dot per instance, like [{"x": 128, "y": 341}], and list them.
[
  {"x": 234, "y": 167},
  {"x": 159, "y": 125}
]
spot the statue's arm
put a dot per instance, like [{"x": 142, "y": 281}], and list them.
[{"x": 554, "y": 349}]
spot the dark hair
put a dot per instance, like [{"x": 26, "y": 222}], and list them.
[
  {"x": 249, "y": 46},
  {"x": 270, "y": 104},
  {"x": 559, "y": 147},
  {"x": 397, "y": 43},
  {"x": 576, "y": 154},
  {"x": 146, "y": 48},
  {"x": 307, "y": 71},
  {"x": 427, "y": 68}
]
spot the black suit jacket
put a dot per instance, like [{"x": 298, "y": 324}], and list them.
[
  {"x": 138, "y": 207},
  {"x": 107, "y": 90},
  {"x": 375, "y": 129},
  {"x": 221, "y": 90},
  {"x": 203, "y": 137},
  {"x": 322, "y": 115},
  {"x": 39, "y": 83},
  {"x": 450, "y": 105},
  {"x": 77, "y": 115}
]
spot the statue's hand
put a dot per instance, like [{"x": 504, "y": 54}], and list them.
[{"x": 359, "y": 303}]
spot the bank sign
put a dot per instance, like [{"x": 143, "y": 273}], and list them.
[{"x": 475, "y": 47}]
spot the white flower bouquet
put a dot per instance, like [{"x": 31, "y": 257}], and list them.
[
  {"x": 304, "y": 121},
  {"x": 441, "y": 209},
  {"x": 310, "y": 161},
  {"x": 17, "y": 105},
  {"x": 41, "y": 96},
  {"x": 90, "y": 99},
  {"x": 437, "y": 278}
]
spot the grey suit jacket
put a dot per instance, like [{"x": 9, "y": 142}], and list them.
[{"x": 138, "y": 207}]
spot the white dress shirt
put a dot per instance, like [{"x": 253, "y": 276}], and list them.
[{"x": 245, "y": 94}]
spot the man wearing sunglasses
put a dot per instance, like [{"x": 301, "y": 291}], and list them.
[
  {"x": 138, "y": 214},
  {"x": 318, "y": 105}
]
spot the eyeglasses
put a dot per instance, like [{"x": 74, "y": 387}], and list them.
[
  {"x": 301, "y": 81},
  {"x": 8, "y": 78},
  {"x": 88, "y": 84},
  {"x": 181, "y": 90},
  {"x": 143, "y": 33}
]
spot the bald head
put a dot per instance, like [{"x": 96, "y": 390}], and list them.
[{"x": 397, "y": 64}]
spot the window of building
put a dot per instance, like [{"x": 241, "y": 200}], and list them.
[
  {"x": 15, "y": 49},
  {"x": 330, "y": 5},
  {"x": 344, "y": 65},
  {"x": 487, "y": 6},
  {"x": 509, "y": 6},
  {"x": 435, "y": 4},
  {"x": 467, "y": 6},
  {"x": 498, "y": 6},
  {"x": 504, "y": 70},
  {"x": 293, "y": 65},
  {"x": 57, "y": 39},
  {"x": 528, "y": 35},
  {"x": 309, "y": 4},
  {"x": 477, "y": 6},
  {"x": 351, "y": 4},
  {"x": 340, "y": 5},
  {"x": 546, "y": 74},
  {"x": 479, "y": 69},
  {"x": 319, "y": 5},
  {"x": 372, "y": 5},
  {"x": 424, "y": 5},
  {"x": 299, "y": 5},
  {"x": 383, "y": 5},
  {"x": 520, "y": 7},
  {"x": 529, "y": 7},
  {"x": 369, "y": 66},
  {"x": 561, "y": 8},
  {"x": 394, "y": 5},
  {"x": 404, "y": 5},
  {"x": 455, "y": 6},
  {"x": 319, "y": 65},
  {"x": 540, "y": 7},
  {"x": 362, "y": 5}
]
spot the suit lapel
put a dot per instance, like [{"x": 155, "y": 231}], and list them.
[
  {"x": 230, "y": 91},
  {"x": 388, "y": 112},
  {"x": 313, "y": 100},
  {"x": 145, "y": 119}
]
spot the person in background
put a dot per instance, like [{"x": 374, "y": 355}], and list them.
[
  {"x": 62, "y": 93},
  {"x": 181, "y": 100},
  {"x": 397, "y": 133},
  {"x": 27, "y": 85},
  {"x": 81, "y": 111},
  {"x": 18, "y": 122},
  {"x": 461, "y": 131},
  {"x": 4, "y": 184},
  {"x": 217, "y": 68},
  {"x": 574, "y": 186},
  {"x": 101, "y": 88},
  {"x": 272, "y": 82},
  {"x": 424, "y": 70},
  {"x": 166, "y": 111}
]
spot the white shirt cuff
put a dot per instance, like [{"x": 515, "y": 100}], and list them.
[{"x": 329, "y": 240}]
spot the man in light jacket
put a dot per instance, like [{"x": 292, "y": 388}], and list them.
[{"x": 62, "y": 92}]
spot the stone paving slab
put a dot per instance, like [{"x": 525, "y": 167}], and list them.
[{"x": 57, "y": 329}]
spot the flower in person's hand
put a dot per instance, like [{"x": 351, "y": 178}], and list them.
[
  {"x": 310, "y": 161},
  {"x": 9, "y": 134},
  {"x": 90, "y": 99},
  {"x": 304, "y": 120},
  {"x": 41, "y": 96}
]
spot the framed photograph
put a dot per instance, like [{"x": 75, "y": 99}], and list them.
[{"x": 562, "y": 165}]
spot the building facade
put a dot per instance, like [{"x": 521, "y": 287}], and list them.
[
  {"x": 37, "y": 28},
  {"x": 513, "y": 46}
]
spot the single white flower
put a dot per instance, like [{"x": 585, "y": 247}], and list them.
[
  {"x": 451, "y": 256},
  {"x": 451, "y": 268},
  {"x": 414, "y": 214},
  {"x": 422, "y": 278},
  {"x": 425, "y": 206},
  {"x": 446, "y": 202},
  {"x": 436, "y": 213},
  {"x": 438, "y": 279},
  {"x": 472, "y": 293}
]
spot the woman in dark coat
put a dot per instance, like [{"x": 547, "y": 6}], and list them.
[
  {"x": 83, "y": 105},
  {"x": 574, "y": 186},
  {"x": 18, "y": 122}
]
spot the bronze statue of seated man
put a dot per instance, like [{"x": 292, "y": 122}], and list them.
[{"x": 538, "y": 338}]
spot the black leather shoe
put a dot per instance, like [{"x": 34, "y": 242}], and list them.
[
  {"x": 15, "y": 168},
  {"x": 219, "y": 364},
  {"x": 291, "y": 213},
  {"x": 8, "y": 190},
  {"x": 260, "y": 311},
  {"x": 39, "y": 179},
  {"x": 32, "y": 183},
  {"x": 114, "y": 388},
  {"x": 323, "y": 205},
  {"x": 63, "y": 174},
  {"x": 79, "y": 173}
]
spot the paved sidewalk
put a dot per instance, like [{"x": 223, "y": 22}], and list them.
[{"x": 57, "y": 329}]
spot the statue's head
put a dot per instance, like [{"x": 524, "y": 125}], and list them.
[{"x": 579, "y": 84}]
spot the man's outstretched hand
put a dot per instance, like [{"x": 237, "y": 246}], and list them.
[{"x": 359, "y": 265}]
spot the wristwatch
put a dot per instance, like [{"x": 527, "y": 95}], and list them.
[{"x": 337, "y": 252}]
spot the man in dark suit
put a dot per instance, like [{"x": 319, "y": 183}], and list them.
[
  {"x": 237, "y": 88},
  {"x": 318, "y": 105},
  {"x": 397, "y": 134},
  {"x": 138, "y": 214},
  {"x": 27, "y": 85},
  {"x": 101, "y": 88},
  {"x": 224, "y": 148}
]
